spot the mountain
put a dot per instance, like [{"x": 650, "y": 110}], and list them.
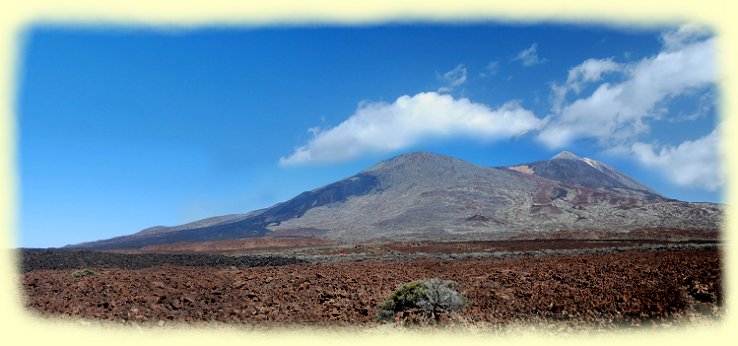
[
  {"x": 570, "y": 169},
  {"x": 426, "y": 196}
]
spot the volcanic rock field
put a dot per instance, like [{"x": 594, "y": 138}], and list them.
[{"x": 604, "y": 289}]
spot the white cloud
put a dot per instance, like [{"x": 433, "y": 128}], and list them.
[
  {"x": 529, "y": 56},
  {"x": 684, "y": 35},
  {"x": 616, "y": 113},
  {"x": 453, "y": 78},
  {"x": 491, "y": 69},
  {"x": 691, "y": 163},
  {"x": 591, "y": 70},
  {"x": 386, "y": 127}
]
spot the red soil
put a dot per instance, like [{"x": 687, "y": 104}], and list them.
[{"x": 590, "y": 289}]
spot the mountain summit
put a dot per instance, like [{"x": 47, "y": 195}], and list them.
[
  {"x": 426, "y": 196},
  {"x": 565, "y": 155},
  {"x": 568, "y": 168}
]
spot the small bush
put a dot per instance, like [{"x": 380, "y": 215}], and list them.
[
  {"x": 83, "y": 272},
  {"x": 441, "y": 298},
  {"x": 404, "y": 297},
  {"x": 434, "y": 297}
]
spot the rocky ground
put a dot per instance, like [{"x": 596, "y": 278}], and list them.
[
  {"x": 310, "y": 247},
  {"x": 32, "y": 260},
  {"x": 601, "y": 290}
]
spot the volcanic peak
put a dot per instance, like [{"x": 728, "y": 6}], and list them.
[
  {"x": 416, "y": 159},
  {"x": 565, "y": 155}
]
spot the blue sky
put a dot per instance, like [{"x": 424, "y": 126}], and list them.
[{"x": 120, "y": 129}]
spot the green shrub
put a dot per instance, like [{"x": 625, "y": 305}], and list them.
[
  {"x": 404, "y": 297},
  {"x": 434, "y": 297},
  {"x": 83, "y": 272}
]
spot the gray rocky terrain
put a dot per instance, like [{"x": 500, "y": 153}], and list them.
[{"x": 426, "y": 196}]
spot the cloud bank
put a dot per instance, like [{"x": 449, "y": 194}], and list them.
[
  {"x": 691, "y": 163},
  {"x": 385, "y": 127},
  {"x": 616, "y": 113}
]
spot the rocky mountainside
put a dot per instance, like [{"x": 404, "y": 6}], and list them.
[
  {"x": 425, "y": 196},
  {"x": 570, "y": 169}
]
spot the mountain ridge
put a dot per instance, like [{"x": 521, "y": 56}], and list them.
[
  {"x": 568, "y": 168},
  {"x": 424, "y": 195}
]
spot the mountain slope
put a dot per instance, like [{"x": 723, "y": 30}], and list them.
[
  {"x": 435, "y": 197},
  {"x": 570, "y": 169},
  {"x": 421, "y": 195}
]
